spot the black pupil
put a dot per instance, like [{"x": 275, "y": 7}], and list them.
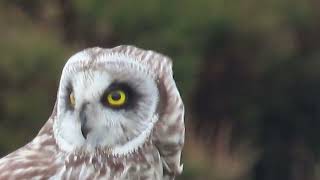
[{"x": 115, "y": 96}]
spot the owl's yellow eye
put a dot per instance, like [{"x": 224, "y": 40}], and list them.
[
  {"x": 72, "y": 99},
  {"x": 116, "y": 98}
]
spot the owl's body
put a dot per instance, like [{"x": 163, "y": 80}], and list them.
[
  {"x": 118, "y": 116},
  {"x": 46, "y": 162}
]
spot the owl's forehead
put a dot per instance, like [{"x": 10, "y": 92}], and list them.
[
  {"x": 112, "y": 63},
  {"x": 97, "y": 74},
  {"x": 97, "y": 80}
]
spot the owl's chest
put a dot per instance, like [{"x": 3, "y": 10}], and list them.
[{"x": 144, "y": 164}]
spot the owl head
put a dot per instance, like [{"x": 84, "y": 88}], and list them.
[{"x": 115, "y": 99}]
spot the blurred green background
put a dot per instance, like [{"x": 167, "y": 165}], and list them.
[{"x": 248, "y": 72}]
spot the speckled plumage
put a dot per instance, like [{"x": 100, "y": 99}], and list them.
[{"x": 158, "y": 157}]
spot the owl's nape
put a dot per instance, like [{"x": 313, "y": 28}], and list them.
[{"x": 118, "y": 115}]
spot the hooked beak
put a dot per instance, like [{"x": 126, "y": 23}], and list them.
[{"x": 83, "y": 120}]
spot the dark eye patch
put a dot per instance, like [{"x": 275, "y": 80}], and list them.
[
  {"x": 131, "y": 95},
  {"x": 69, "y": 90}
]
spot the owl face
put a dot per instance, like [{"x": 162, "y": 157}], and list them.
[{"x": 107, "y": 101}]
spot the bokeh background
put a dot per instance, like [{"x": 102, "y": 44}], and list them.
[{"x": 248, "y": 71}]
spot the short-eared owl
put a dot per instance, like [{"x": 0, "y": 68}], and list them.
[{"x": 118, "y": 115}]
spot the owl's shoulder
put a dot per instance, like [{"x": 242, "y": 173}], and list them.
[{"x": 39, "y": 158}]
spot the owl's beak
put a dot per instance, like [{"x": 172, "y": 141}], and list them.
[
  {"x": 83, "y": 119},
  {"x": 84, "y": 130}
]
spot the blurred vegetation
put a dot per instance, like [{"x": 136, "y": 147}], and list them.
[{"x": 248, "y": 72}]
